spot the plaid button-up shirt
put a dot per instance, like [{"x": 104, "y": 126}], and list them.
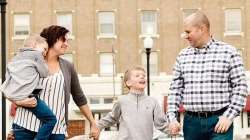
[{"x": 208, "y": 79}]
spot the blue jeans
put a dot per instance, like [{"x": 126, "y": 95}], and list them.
[
  {"x": 21, "y": 133},
  {"x": 201, "y": 128},
  {"x": 47, "y": 118}
]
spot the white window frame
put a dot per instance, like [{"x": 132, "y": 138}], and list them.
[
  {"x": 107, "y": 64},
  {"x": 153, "y": 61},
  {"x": 106, "y": 17},
  {"x": 68, "y": 16},
  {"x": 19, "y": 20},
  {"x": 233, "y": 16},
  {"x": 149, "y": 28}
]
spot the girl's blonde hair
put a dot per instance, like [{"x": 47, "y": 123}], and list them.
[{"x": 32, "y": 40}]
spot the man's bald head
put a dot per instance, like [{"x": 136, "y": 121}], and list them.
[{"x": 198, "y": 19}]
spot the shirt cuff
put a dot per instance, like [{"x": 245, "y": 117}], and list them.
[
  {"x": 99, "y": 126},
  {"x": 230, "y": 114}
]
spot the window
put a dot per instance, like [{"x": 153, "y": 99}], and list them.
[
  {"x": 106, "y": 23},
  {"x": 233, "y": 21},
  {"x": 107, "y": 67},
  {"x": 188, "y": 12},
  {"x": 101, "y": 100},
  {"x": 241, "y": 51},
  {"x": 94, "y": 100},
  {"x": 149, "y": 23},
  {"x": 153, "y": 62},
  {"x": 65, "y": 20},
  {"x": 21, "y": 24},
  {"x": 108, "y": 100},
  {"x": 68, "y": 56}
]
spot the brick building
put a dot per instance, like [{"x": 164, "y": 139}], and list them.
[{"x": 97, "y": 26}]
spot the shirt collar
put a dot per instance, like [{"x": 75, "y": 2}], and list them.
[
  {"x": 208, "y": 44},
  {"x": 205, "y": 46},
  {"x": 136, "y": 92}
]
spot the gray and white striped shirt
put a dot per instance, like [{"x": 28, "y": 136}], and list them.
[{"x": 53, "y": 95}]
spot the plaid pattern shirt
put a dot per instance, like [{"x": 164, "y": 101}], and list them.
[{"x": 208, "y": 79}]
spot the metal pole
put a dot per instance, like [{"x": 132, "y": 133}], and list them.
[
  {"x": 113, "y": 59},
  {"x": 3, "y": 4},
  {"x": 148, "y": 50}
]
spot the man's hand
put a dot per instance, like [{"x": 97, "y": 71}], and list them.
[
  {"x": 174, "y": 128},
  {"x": 94, "y": 132},
  {"x": 223, "y": 125},
  {"x": 27, "y": 102}
]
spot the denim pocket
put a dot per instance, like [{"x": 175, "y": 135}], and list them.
[{"x": 188, "y": 116}]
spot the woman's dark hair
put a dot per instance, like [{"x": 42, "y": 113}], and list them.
[{"x": 54, "y": 33}]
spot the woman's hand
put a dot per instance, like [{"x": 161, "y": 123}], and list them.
[
  {"x": 94, "y": 132},
  {"x": 10, "y": 136},
  {"x": 27, "y": 102}
]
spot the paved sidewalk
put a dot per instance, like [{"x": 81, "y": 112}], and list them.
[{"x": 105, "y": 135}]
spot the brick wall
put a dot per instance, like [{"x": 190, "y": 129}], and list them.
[{"x": 76, "y": 127}]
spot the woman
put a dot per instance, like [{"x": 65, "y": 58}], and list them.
[{"x": 62, "y": 82}]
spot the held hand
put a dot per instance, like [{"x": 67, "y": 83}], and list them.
[
  {"x": 94, "y": 132},
  {"x": 27, "y": 102},
  {"x": 10, "y": 136},
  {"x": 222, "y": 125},
  {"x": 174, "y": 128}
]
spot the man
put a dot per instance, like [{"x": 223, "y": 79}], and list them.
[{"x": 209, "y": 81}]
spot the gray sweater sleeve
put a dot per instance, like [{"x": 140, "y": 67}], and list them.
[
  {"x": 111, "y": 118},
  {"x": 76, "y": 90},
  {"x": 160, "y": 121},
  {"x": 41, "y": 65}
]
